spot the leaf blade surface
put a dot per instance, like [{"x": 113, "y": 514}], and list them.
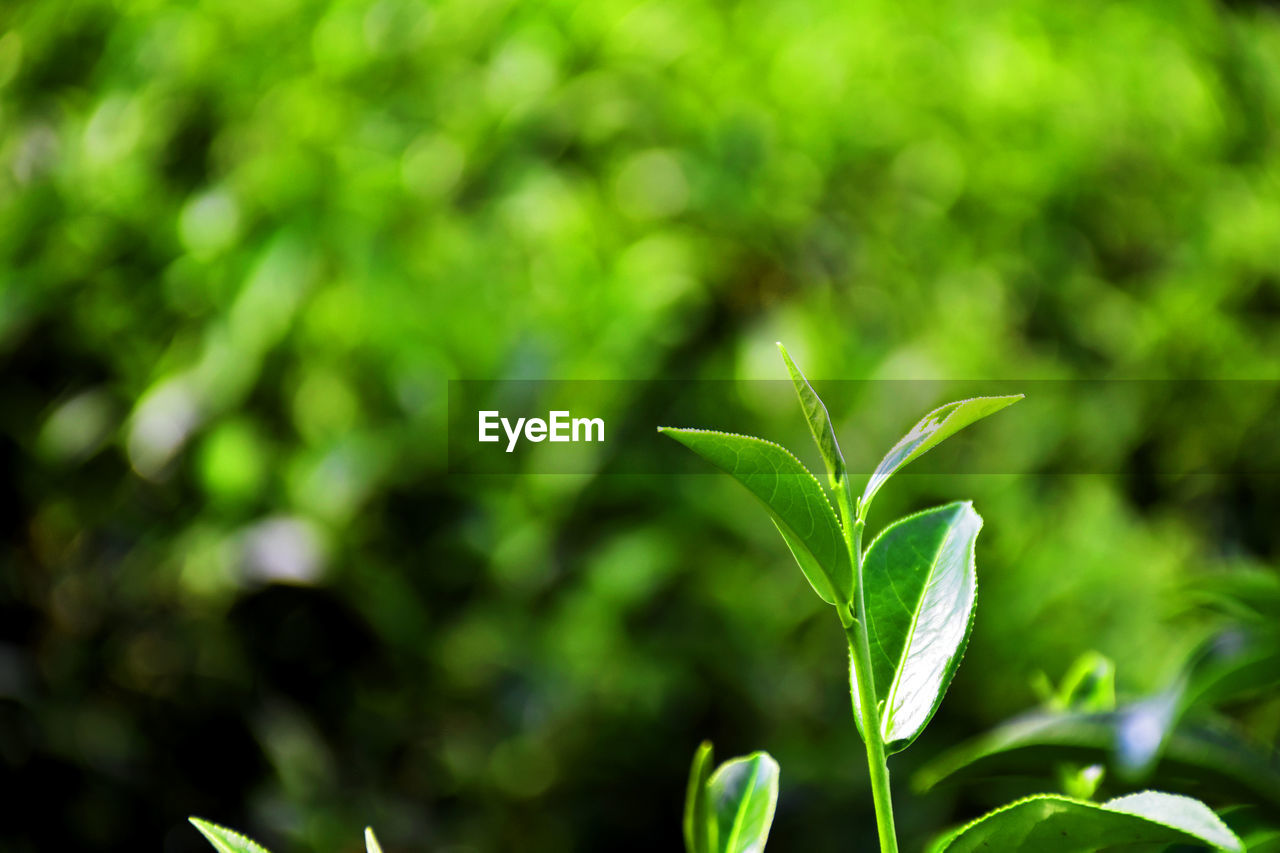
[
  {"x": 1049, "y": 823},
  {"x": 793, "y": 497},
  {"x": 226, "y": 840},
  {"x": 940, "y": 424},
  {"x": 920, "y": 587},
  {"x": 742, "y": 795}
]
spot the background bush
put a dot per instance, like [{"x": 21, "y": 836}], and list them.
[{"x": 243, "y": 247}]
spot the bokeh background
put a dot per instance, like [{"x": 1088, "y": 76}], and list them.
[{"x": 245, "y": 245}]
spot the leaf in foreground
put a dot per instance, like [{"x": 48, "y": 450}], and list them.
[
  {"x": 742, "y": 795},
  {"x": 1049, "y": 823},
  {"x": 940, "y": 424},
  {"x": 920, "y": 586},
  {"x": 225, "y": 840},
  {"x": 792, "y": 495}
]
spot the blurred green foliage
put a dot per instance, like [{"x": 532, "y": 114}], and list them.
[{"x": 244, "y": 245}]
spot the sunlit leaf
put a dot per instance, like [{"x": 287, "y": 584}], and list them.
[
  {"x": 742, "y": 795},
  {"x": 932, "y": 429},
  {"x": 1048, "y": 823},
  {"x": 371, "y": 841},
  {"x": 793, "y": 497},
  {"x": 225, "y": 840},
  {"x": 920, "y": 588}
]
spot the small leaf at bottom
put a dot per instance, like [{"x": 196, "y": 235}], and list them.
[
  {"x": 225, "y": 840},
  {"x": 742, "y": 795}
]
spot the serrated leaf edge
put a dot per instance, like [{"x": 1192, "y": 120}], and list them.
[
  {"x": 757, "y": 760},
  {"x": 1220, "y": 822},
  {"x": 209, "y": 830},
  {"x": 868, "y": 494},
  {"x": 798, "y": 379},
  {"x": 821, "y": 490},
  {"x": 953, "y": 665},
  {"x": 946, "y": 841}
]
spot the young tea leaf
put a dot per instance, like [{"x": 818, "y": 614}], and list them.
[
  {"x": 697, "y": 824},
  {"x": 371, "y": 841},
  {"x": 815, "y": 414},
  {"x": 225, "y": 840},
  {"x": 1048, "y": 823},
  {"x": 933, "y": 428},
  {"x": 793, "y": 497},
  {"x": 920, "y": 587},
  {"x": 742, "y": 795}
]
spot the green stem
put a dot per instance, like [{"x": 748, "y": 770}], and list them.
[{"x": 860, "y": 653}]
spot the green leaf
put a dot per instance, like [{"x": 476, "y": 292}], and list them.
[
  {"x": 815, "y": 414},
  {"x": 1200, "y": 757},
  {"x": 742, "y": 795},
  {"x": 697, "y": 837},
  {"x": 371, "y": 841},
  {"x": 225, "y": 840},
  {"x": 793, "y": 497},
  {"x": 1049, "y": 823},
  {"x": 920, "y": 588},
  {"x": 941, "y": 423},
  {"x": 1089, "y": 685}
]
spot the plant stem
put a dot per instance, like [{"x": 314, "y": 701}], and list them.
[{"x": 855, "y": 629}]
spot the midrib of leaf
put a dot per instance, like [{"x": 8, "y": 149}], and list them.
[
  {"x": 803, "y": 467},
  {"x": 912, "y": 612},
  {"x": 739, "y": 815},
  {"x": 226, "y": 840},
  {"x": 889, "y": 706},
  {"x": 836, "y": 569},
  {"x": 819, "y": 421}
]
